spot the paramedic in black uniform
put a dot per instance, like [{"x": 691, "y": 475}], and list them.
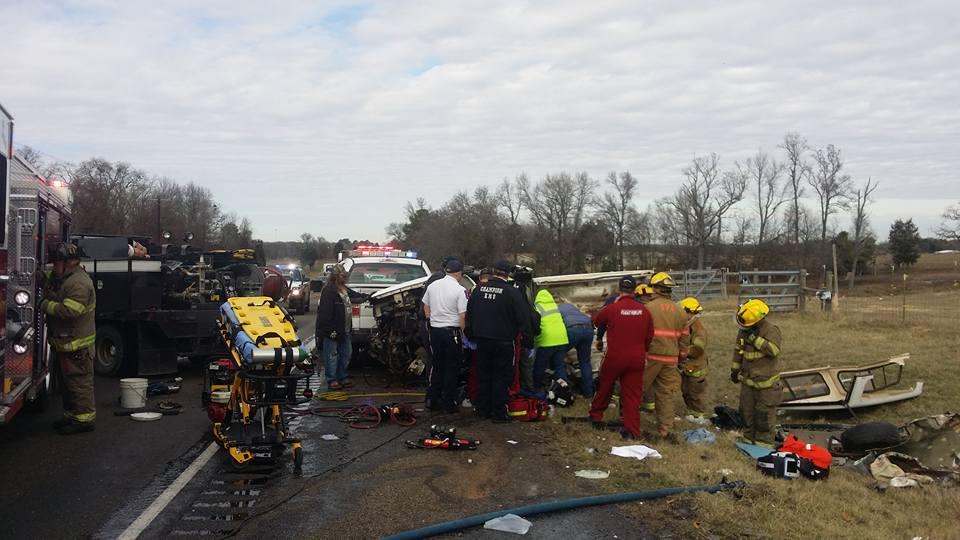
[{"x": 496, "y": 314}]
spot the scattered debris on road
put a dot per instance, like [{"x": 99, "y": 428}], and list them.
[{"x": 510, "y": 523}]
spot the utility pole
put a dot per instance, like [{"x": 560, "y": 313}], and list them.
[{"x": 159, "y": 227}]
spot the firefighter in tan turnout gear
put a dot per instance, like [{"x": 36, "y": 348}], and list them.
[
  {"x": 755, "y": 367},
  {"x": 661, "y": 379},
  {"x": 693, "y": 360},
  {"x": 69, "y": 303}
]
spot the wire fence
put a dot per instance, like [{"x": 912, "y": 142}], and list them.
[{"x": 907, "y": 302}]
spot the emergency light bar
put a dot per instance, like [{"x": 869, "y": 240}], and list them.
[{"x": 380, "y": 251}]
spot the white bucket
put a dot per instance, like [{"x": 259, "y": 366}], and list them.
[{"x": 133, "y": 393}]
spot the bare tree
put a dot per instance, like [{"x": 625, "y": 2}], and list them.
[
  {"x": 509, "y": 196},
  {"x": 743, "y": 224},
  {"x": 832, "y": 187},
  {"x": 703, "y": 199},
  {"x": 639, "y": 233},
  {"x": 32, "y": 156},
  {"x": 950, "y": 228},
  {"x": 763, "y": 175},
  {"x": 558, "y": 205},
  {"x": 861, "y": 223},
  {"x": 797, "y": 170},
  {"x": 105, "y": 196},
  {"x": 618, "y": 206}
]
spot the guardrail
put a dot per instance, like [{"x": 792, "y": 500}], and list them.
[{"x": 782, "y": 290}]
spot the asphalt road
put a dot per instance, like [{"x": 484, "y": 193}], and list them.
[
  {"x": 74, "y": 487},
  {"x": 363, "y": 484}
]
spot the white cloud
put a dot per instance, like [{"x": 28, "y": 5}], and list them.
[{"x": 328, "y": 118}]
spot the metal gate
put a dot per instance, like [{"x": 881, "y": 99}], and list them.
[
  {"x": 701, "y": 284},
  {"x": 782, "y": 290}
]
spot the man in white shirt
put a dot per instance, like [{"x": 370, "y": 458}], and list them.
[{"x": 445, "y": 306}]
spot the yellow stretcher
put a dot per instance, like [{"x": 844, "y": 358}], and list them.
[{"x": 267, "y": 364}]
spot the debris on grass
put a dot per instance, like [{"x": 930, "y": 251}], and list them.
[
  {"x": 592, "y": 474},
  {"x": 636, "y": 451},
  {"x": 699, "y": 436}
]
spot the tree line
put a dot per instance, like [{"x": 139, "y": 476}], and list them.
[
  {"x": 775, "y": 209},
  {"x": 118, "y": 198}
]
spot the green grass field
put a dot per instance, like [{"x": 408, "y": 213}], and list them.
[{"x": 844, "y": 506}]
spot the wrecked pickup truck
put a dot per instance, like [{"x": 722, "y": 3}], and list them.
[
  {"x": 846, "y": 388},
  {"x": 398, "y": 344}
]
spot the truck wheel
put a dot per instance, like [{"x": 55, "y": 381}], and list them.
[
  {"x": 109, "y": 353},
  {"x": 306, "y": 305}
]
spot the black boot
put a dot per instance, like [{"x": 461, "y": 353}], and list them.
[{"x": 75, "y": 427}]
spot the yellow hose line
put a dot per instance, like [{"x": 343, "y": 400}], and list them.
[{"x": 340, "y": 395}]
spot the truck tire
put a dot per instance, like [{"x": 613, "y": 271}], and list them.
[
  {"x": 306, "y": 305},
  {"x": 109, "y": 354}
]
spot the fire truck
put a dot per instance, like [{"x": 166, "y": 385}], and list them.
[{"x": 36, "y": 216}]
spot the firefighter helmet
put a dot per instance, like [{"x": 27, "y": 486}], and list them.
[
  {"x": 662, "y": 279},
  {"x": 643, "y": 290},
  {"x": 752, "y": 312},
  {"x": 691, "y": 305},
  {"x": 66, "y": 251}
]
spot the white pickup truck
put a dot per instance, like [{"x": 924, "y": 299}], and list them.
[{"x": 372, "y": 270}]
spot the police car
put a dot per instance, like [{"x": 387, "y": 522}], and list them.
[{"x": 374, "y": 268}]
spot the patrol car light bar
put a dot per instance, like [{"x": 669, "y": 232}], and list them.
[{"x": 380, "y": 251}]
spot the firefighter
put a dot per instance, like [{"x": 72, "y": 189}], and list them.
[
  {"x": 70, "y": 303},
  {"x": 661, "y": 379},
  {"x": 497, "y": 313},
  {"x": 644, "y": 293},
  {"x": 755, "y": 368},
  {"x": 693, "y": 361},
  {"x": 630, "y": 330}
]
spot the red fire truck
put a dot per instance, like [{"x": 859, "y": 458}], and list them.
[{"x": 35, "y": 217}]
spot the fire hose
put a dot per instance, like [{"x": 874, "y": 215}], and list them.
[{"x": 560, "y": 505}]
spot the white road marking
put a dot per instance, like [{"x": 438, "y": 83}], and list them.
[{"x": 146, "y": 518}]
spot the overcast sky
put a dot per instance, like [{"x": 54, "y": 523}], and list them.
[{"x": 326, "y": 117}]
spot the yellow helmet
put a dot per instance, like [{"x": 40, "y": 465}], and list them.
[
  {"x": 642, "y": 290},
  {"x": 752, "y": 312},
  {"x": 691, "y": 305},
  {"x": 662, "y": 279}
]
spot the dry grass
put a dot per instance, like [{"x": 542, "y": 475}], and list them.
[{"x": 844, "y": 506}]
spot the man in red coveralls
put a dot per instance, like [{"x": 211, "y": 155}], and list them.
[{"x": 629, "y": 332}]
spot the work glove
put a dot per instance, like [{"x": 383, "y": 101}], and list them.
[
  {"x": 600, "y": 345},
  {"x": 332, "y": 335},
  {"x": 734, "y": 376}
]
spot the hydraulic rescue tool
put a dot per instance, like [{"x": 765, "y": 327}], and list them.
[
  {"x": 268, "y": 370},
  {"x": 444, "y": 437}
]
